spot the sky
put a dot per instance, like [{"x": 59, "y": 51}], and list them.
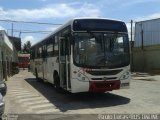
[{"x": 60, "y": 11}]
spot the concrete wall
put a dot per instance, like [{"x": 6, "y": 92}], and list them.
[{"x": 146, "y": 60}]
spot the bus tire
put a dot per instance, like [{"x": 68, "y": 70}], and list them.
[
  {"x": 37, "y": 75},
  {"x": 56, "y": 81}
]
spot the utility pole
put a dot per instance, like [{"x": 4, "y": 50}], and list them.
[
  {"x": 142, "y": 38},
  {"x": 131, "y": 31},
  {"x": 12, "y": 30},
  {"x": 131, "y": 45},
  {"x": 20, "y": 34},
  {"x": 142, "y": 47}
]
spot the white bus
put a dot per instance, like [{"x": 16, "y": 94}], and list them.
[{"x": 84, "y": 55}]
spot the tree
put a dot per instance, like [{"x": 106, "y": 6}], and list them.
[{"x": 27, "y": 47}]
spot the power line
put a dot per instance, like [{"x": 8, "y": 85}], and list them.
[
  {"x": 29, "y": 31},
  {"x": 29, "y": 22},
  {"x": 36, "y": 32}
]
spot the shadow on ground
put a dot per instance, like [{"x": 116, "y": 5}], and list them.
[{"x": 67, "y": 101}]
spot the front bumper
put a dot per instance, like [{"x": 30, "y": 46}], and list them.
[
  {"x": 3, "y": 90},
  {"x": 2, "y": 106},
  {"x": 103, "y": 86}
]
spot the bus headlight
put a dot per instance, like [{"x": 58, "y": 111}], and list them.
[
  {"x": 1, "y": 100},
  {"x": 2, "y": 85},
  {"x": 126, "y": 75}
]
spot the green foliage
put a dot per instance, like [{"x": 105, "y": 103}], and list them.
[{"x": 26, "y": 47}]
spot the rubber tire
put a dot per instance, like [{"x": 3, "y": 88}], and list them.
[
  {"x": 38, "y": 79},
  {"x": 57, "y": 82}
]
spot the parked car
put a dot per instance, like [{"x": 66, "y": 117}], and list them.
[
  {"x": 2, "y": 104},
  {"x": 3, "y": 87}
]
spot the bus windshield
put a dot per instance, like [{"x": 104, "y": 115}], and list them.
[{"x": 98, "y": 50}]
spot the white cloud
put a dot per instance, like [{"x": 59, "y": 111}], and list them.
[
  {"x": 128, "y": 26},
  {"x": 52, "y": 11},
  {"x": 28, "y": 38},
  {"x": 151, "y": 16},
  {"x": 134, "y": 2},
  {"x": 43, "y": 0},
  {"x": 129, "y": 30},
  {"x": 52, "y": 28},
  {"x": 1, "y": 28}
]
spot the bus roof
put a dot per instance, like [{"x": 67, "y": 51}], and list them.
[{"x": 70, "y": 22}]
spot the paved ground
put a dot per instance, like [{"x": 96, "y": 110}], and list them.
[{"x": 25, "y": 95}]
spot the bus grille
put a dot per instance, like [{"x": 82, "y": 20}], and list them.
[
  {"x": 107, "y": 78},
  {"x": 110, "y": 72}
]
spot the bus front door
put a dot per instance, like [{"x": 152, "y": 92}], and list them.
[{"x": 64, "y": 63}]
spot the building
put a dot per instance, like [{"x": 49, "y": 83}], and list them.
[
  {"x": 146, "y": 51},
  {"x": 8, "y": 56},
  {"x": 17, "y": 42}
]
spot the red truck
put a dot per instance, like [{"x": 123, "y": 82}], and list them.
[{"x": 24, "y": 60}]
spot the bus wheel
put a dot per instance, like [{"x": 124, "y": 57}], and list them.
[
  {"x": 37, "y": 75},
  {"x": 56, "y": 82}
]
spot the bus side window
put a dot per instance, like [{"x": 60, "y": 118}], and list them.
[
  {"x": 40, "y": 52},
  {"x": 56, "y": 47},
  {"x": 44, "y": 51},
  {"x": 50, "y": 47},
  {"x": 67, "y": 44},
  {"x": 36, "y": 52},
  {"x": 50, "y": 50},
  {"x": 62, "y": 46}
]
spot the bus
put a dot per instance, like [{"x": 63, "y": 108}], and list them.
[{"x": 84, "y": 55}]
